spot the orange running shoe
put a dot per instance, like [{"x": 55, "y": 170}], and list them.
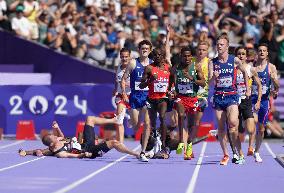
[
  {"x": 225, "y": 160},
  {"x": 250, "y": 151}
]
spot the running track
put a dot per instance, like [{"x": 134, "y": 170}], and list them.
[{"x": 119, "y": 173}]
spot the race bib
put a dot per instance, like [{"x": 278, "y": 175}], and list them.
[
  {"x": 242, "y": 90},
  {"x": 137, "y": 87},
  {"x": 225, "y": 81},
  {"x": 160, "y": 86},
  {"x": 185, "y": 88},
  {"x": 255, "y": 91}
]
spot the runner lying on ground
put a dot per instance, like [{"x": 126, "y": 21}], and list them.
[{"x": 58, "y": 147}]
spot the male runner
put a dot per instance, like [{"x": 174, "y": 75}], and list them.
[
  {"x": 156, "y": 77},
  {"x": 59, "y": 147},
  {"x": 202, "y": 60},
  {"x": 245, "y": 108},
  {"x": 268, "y": 77},
  {"x": 121, "y": 104},
  {"x": 187, "y": 77},
  {"x": 138, "y": 96},
  {"x": 223, "y": 69}
]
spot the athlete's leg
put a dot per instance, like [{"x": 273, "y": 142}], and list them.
[
  {"x": 181, "y": 116},
  {"x": 121, "y": 110},
  {"x": 91, "y": 121},
  {"x": 146, "y": 133},
  {"x": 233, "y": 121},
  {"x": 162, "y": 109},
  {"x": 120, "y": 147},
  {"x": 250, "y": 126},
  {"x": 134, "y": 114},
  {"x": 221, "y": 119}
]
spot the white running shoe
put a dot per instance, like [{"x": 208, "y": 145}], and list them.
[
  {"x": 257, "y": 157},
  {"x": 143, "y": 157},
  {"x": 150, "y": 154}
]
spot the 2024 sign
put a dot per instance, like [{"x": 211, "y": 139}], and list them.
[{"x": 38, "y": 105}]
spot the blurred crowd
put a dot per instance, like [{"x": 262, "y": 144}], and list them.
[{"x": 95, "y": 30}]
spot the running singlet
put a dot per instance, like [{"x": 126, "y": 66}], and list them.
[
  {"x": 265, "y": 80},
  {"x": 184, "y": 86},
  {"x": 159, "y": 87},
  {"x": 118, "y": 78},
  {"x": 226, "y": 81},
  {"x": 241, "y": 82},
  {"x": 203, "y": 91},
  {"x": 136, "y": 76}
]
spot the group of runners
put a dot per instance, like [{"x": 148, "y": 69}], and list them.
[{"x": 150, "y": 88}]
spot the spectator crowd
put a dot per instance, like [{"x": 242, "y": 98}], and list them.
[{"x": 95, "y": 30}]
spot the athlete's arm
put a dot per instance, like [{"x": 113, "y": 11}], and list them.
[
  {"x": 36, "y": 152},
  {"x": 200, "y": 81},
  {"x": 65, "y": 154},
  {"x": 126, "y": 74},
  {"x": 167, "y": 45},
  {"x": 259, "y": 87},
  {"x": 238, "y": 63},
  {"x": 211, "y": 74},
  {"x": 145, "y": 77},
  {"x": 273, "y": 76},
  {"x": 172, "y": 81},
  {"x": 114, "y": 92},
  {"x": 56, "y": 130}
]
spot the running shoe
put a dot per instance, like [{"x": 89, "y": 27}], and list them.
[
  {"x": 188, "y": 152},
  {"x": 150, "y": 154},
  {"x": 235, "y": 158},
  {"x": 143, "y": 157},
  {"x": 225, "y": 160},
  {"x": 180, "y": 148},
  {"x": 250, "y": 151},
  {"x": 241, "y": 160},
  {"x": 257, "y": 157}
]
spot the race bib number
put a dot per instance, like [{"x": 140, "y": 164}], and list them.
[
  {"x": 255, "y": 91},
  {"x": 137, "y": 87},
  {"x": 160, "y": 87},
  {"x": 224, "y": 82},
  {"x": 242, "y": 90},
  {"x": 185, "y": 88}
]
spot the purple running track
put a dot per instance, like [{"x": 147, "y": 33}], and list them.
[{"x": 103, "y": 175}]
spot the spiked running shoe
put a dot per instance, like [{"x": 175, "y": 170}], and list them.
[
  {"x": 225, "y": 160},
  {"x": 250, "y": 151},
  {"x": 180, "y": 148},
  {"x": 257, "y": 157},
  {"x": 241, "y": 160},
  {"x": 235, "y": 158}
]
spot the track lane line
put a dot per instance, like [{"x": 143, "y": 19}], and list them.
[
  {"x": 86, "y": 178},
  {"x": 12, "y": 144},
  {"x": 23, "y": 163},
  {"x": 270, "y": 150},
  {"x": 193, "y": 180}
]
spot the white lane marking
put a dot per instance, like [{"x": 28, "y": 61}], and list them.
[
  {"x": 84, "y": 179},
  {"x": 23, "y": 163},
  {"x": 193, "y": 180},
  {"x": 269, "y": 150},
  {"x": 12, "y": 144}
]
